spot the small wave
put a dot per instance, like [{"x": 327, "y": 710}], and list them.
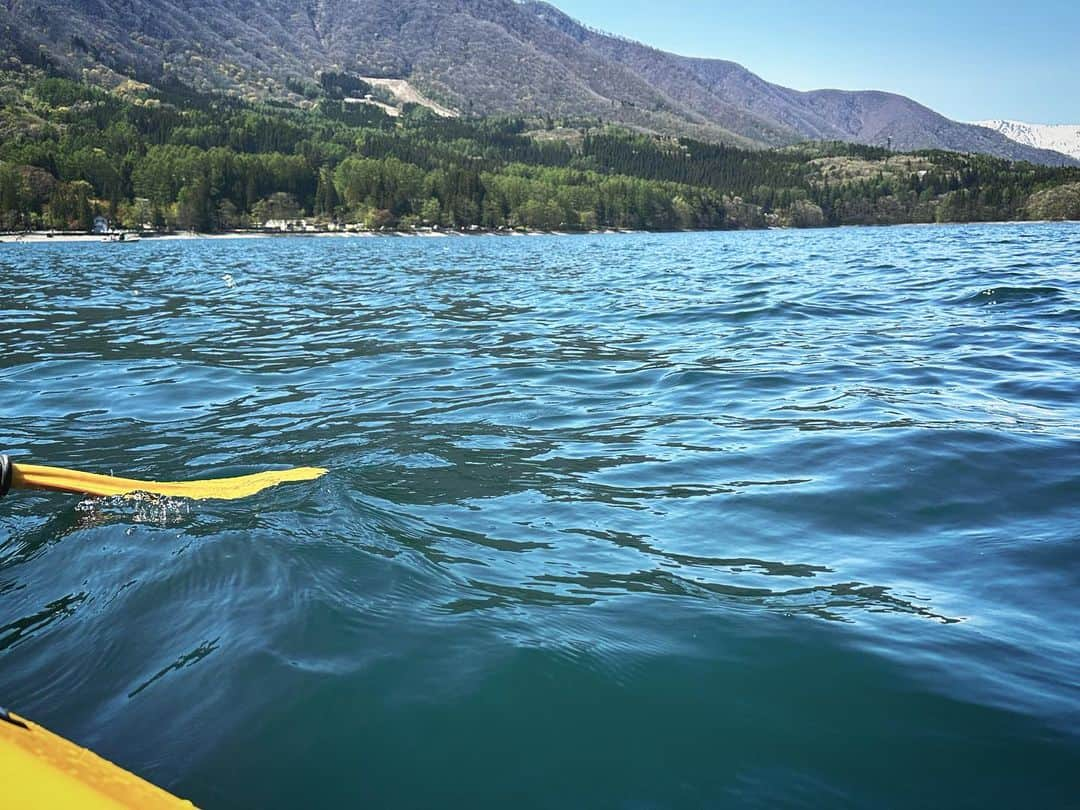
[
  {"x": 188, "y": 659},
  {"x": 994, "y": 296},
  {"x": 24, "y": 627},
  {"x": 837, "y": 601}
]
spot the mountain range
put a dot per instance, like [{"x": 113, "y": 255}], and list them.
[
  {"x": 472, "y": 57},
  {"x": 1064, "y": 138}
]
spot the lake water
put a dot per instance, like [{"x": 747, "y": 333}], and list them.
[{"x": 637, "y": 521}]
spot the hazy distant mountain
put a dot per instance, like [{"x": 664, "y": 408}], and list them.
[
  {"x": 1064, "y": 138},
  {"x": 474, "y": 56}
]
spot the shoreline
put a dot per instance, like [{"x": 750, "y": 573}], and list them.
[{"x": 46, "y": 237}]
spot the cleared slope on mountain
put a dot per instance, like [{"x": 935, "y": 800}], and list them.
[{"x": 475, "y": 56}]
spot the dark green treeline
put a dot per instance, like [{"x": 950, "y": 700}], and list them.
[{"x": 172, "y": 158}]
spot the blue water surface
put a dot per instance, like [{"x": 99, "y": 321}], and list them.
[{"x": 769, "y": 519}]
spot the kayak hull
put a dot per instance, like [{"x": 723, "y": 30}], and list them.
[{"x": 40, "y": 770}]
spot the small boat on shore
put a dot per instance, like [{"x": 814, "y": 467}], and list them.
[{"x": 122, "y": 237}]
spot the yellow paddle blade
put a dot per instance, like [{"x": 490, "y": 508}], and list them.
[{"x": 30, "y": 476}]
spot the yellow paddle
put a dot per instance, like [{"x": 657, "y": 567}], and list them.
[{"x": 30, "y": 476}]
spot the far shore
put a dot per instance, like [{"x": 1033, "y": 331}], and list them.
[
  {"x": 34, "y": 237},
  {"x": 45, "y": 237}
]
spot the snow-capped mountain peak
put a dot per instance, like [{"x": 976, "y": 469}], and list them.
[{"x": 1064, "y": 138}]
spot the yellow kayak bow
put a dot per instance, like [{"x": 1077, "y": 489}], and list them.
[
  {"x": 30, "y": 476},
  {"x": 41, "y": 771}
]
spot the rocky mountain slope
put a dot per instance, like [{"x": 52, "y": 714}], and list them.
[
  {"x": 1064, "y": 138},
  {"x": 473, "y": 56}
]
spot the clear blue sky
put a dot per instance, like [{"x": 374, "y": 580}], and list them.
[{"x": 968, "y": 60}]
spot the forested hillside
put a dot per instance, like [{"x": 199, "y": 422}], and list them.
[
  {"x": 175, "y": 158},
  {"x": 475, "y": 57}
]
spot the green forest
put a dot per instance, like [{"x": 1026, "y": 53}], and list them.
[{"x": 170, "y": 158}]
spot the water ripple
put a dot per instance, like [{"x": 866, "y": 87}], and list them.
[{"x": 631, "y": 465}]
